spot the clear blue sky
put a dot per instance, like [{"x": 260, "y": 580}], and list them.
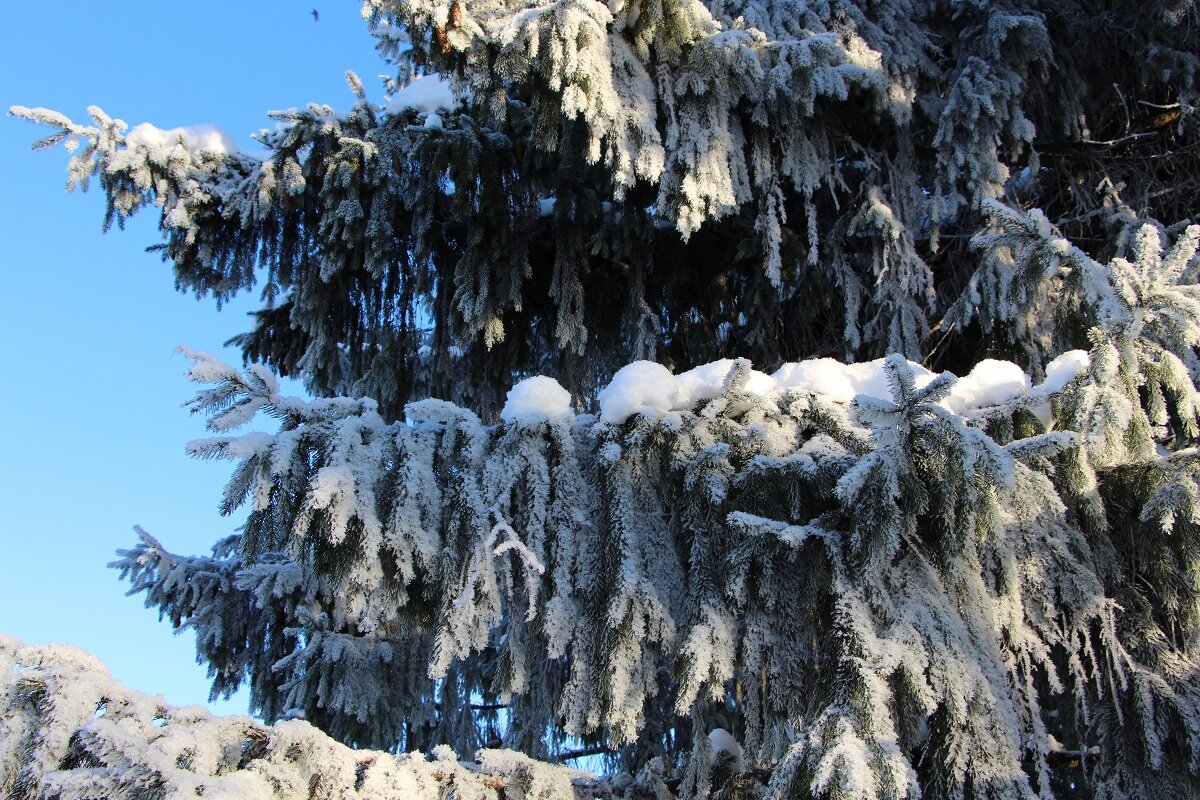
[{"x": 91, "y": 430}]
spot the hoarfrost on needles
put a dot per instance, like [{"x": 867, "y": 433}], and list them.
[
  {"x": 88, "y": 736},
  {"x": 534, "y": 520},
  {"x": 894, "y": 570}
]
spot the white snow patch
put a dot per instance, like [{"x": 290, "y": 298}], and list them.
[
  {"x": 426, "y": 95},
  {"x": 841, "y": 383},
  {"x": 646, "y": 386},
  {"x": 444, "y": 753},
  {"x": 1063, "y": 370},
  {"x": 535, "y": 399},
  {"x": 722, "y": 741},
  {"x": 1059, "y": 372},
  {"x": 870, "y": 378},
  {"x": 640, "y": 386},
  {"x": 708, "y": 381},
  {"x": 197, "y": 138},
  {"x": 822, "y": 445},
  {"x": 245, "y": 446},
  {"x": 825, "y": 376},
  {"x": 990, "y": 383}
]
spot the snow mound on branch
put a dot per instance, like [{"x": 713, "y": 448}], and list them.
[
  {"x": 989, "y": 383},
  {"x": 426, "y": 95},
  {"x": 196, "y": 138},
  {"x": 1059, "y": 372},
  {"x": 826, "y": 376},
  {"x": 640, "y": 386},
  {"x": 644, "y": 386},
  {"x": 707, "y": 382},
  {"x": 722, "y": 743},
  {"x": 841, "y": 383},
  {"x": 1063, "y": 370},
  {"x": 535, "y": 399}
]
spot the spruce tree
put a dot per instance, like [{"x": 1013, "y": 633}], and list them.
[{"x": 542, "y": 499}]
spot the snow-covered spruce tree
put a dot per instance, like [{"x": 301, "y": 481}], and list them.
[{"x": 842, "y": 580}]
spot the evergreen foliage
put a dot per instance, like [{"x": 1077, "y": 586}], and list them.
[
  {"x": 673, "y": 181},
  {"x": 863, "y": 580},
  {"x": 67, "y": 729}
]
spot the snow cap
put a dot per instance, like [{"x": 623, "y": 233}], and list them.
[
  {"x": 646, "y": 386},
  {"x": 990, "y": 383},
  {"x": 426, "y": 95},
  {"x": 841, "y": 383},
  {"x": 535, "y": 399},
  {"x": 640, "y": 386},
  {"x": 722, "y": 743},
  {"x": 825, "y": 376},
  {"x": 199, "y": 138},
  {"x": 1059, "y": 372},
  {"x": 707, "y": 382},
  {"x": 1064, "y": 369}
]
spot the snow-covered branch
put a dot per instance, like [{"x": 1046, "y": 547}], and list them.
[
  {"x": 559, "y": 561},
  {"x": 67, "y": 729}
]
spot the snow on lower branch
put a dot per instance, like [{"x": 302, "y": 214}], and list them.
[{"x": 88, "y": 736}]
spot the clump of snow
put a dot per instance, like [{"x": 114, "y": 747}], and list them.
[
  {"x": 245, "y": 446},
  {"x": 640, "y": 386},
  {"x": 205, "y": 367},
  {"x": 1063, "y": 370},
  {"x": 708, "y": 381},
  {"x": 426, "y": 95},
  {"x": 538, "y": 779},
  {"x": 871, "y": 379},
  {"x": 841, "y": 383},
  {"x": 646, "y": 386},
  {"x": 1059, "y": 372},
  {"x": 198, "y": 138},
  {"x": 825, "y": 376},
  {"x": 990, "y": 382},
  {"x": 723, "y": 743},
  {"x": 535, "y": 399}
]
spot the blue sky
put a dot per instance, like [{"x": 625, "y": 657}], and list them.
[{"x": 92, "y": 431}]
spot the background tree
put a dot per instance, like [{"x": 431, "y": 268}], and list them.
[{"x": 870, "y": 580}]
